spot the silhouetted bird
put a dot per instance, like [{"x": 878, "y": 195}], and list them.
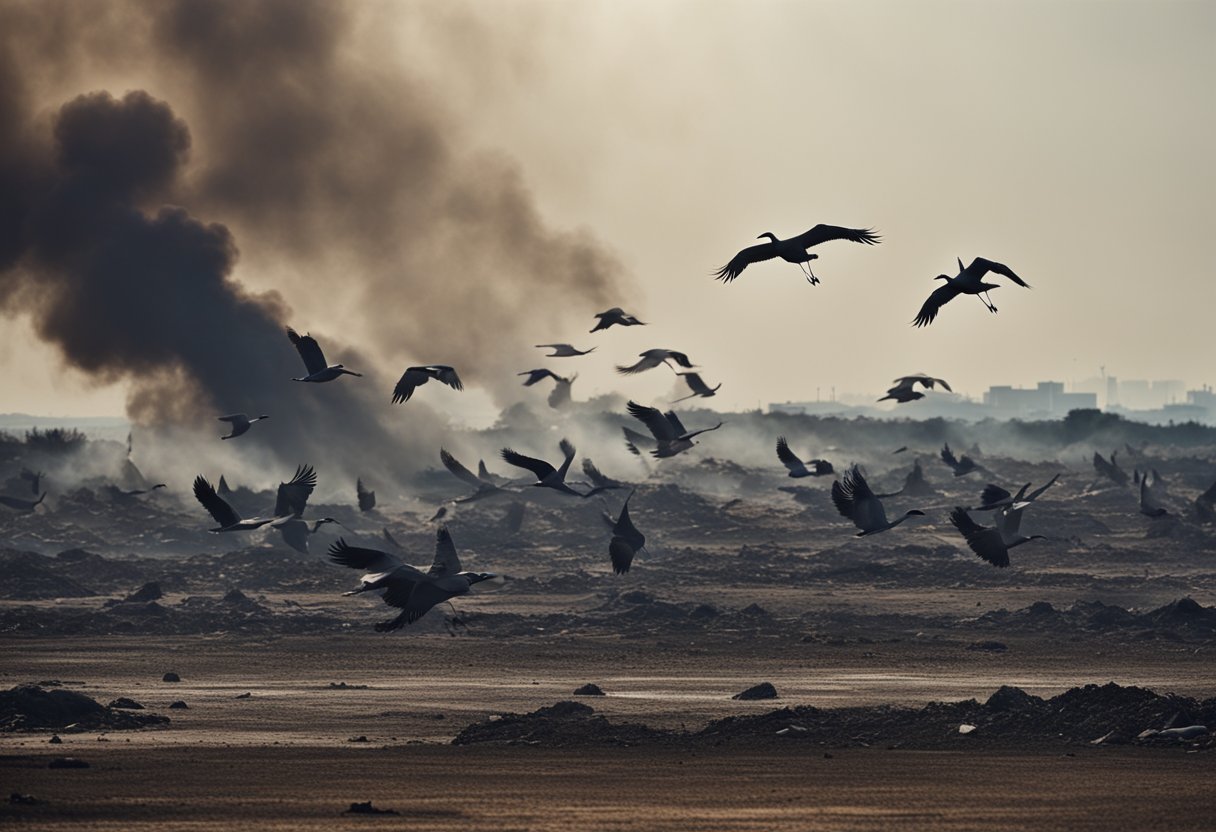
[
  {"x": 797, "y": 468},
  {"x": 1111, "y": 469},
  {"x": 968, "y": 282},
  {"x": 653, "y": 358},
  {"x": 616, "y": 316},
  {"x": 563, "y": 350},
  {"x": 314, "y": 360},
  {"x": 228, "y": 518},
  {"x": 900, "y": 449},
  {"x": 483, "y": 485},
  {"x": 903, "y": 390},
  {"x": 290, "y": 502},
  {"x": 670, "y": 434},
  {"x": 414, "y": 377},
  {"x": 21, "y": 504},
  {"x": 535, "y": 376},
  {"x": 697, "y": 386},
  {"x": 240, "y": 424},
  {"x": 854, "y": 500},
  {"x": 405, "y": 587},
  {"x": 994, "y": 497},
  {"x": 626, "y": 542},
  {"x": 793, "y": 250},
  {"x": 546, "y": 475},
  {"x": 559, "y": 396},
  {"x": 987, "y": 542},
  {"x": 366, "y": 497},
  {"x": 960, "y": 467}
]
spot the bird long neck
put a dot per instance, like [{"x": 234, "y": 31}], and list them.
[{"x": 771, "y": 236}]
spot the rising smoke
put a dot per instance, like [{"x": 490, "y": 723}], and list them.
[{"x": 292, "y": 131}]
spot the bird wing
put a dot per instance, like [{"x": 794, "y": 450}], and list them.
[
  {"x": 751, "y": 254},
  {"x": 681, "y": 359},
  {"x": 788, "y": 458},
  {"x": 824, "y": 233},
  {"x": 655, "y": 421},
  {"x": 447, "y": 375},
  {"x": 216, "y": 506},
  {"x": 568, "y": 453},
  {"x": 446, "y": 561},
  {"x": 939, "y": 298},
  {"x": 1000, "y": 268},
  {"x": 594, "y": 474},
  {"x": 293, "y": 495},
  {"x": 459, "y": 471},
  {"x": 309, "y": 350},
  {"x": 985, "y": 541},
  {"x": 625, "y": 529},
  {"x": 410, "y": 380},
  {"x": 357, "y": 557},
  {"x": 993, "y": 494},
  {"x": 691, "y": 434},
  {"x": 1034, "y": 495},
  {"x": 822, "y": 467},
  {"x": 233, "y": 418},
  {"x": 676, "y": 425},
  {"x": 391, "y": 540},
  {"x": 538, "y": 467},
  {"x": 696, "y": 384},
  {"x": 535, "y": 376},
  {"x": 416, "y": 599},
  {"x": 648, "y": 362}
]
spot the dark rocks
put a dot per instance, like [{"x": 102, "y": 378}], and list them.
[
  {"x": 125, "y": 704},
  {"x": 178, "y": 705},
  {"x": 67, "y": 762},
  {"x": 148, "y": 592},
  {"x": 54, "y": 740},
  {"x": 764, "y": 690},
  {"x": 367, "y": 808},
  {"x": 589, "y": 689},
  {"x": 245, "y": 695},
  {"x": 171, "y": 677},
  {"x": 19, "y": 799},
  {"x": 29, "y": 707},
  {"x": 564, "y": 724},
  {"x": 344, "y": 686}
]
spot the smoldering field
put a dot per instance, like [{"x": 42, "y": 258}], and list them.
[{"x": 1105, "y": 630}]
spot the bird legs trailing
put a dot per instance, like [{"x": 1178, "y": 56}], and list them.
[{"x": 805, "y": 267}]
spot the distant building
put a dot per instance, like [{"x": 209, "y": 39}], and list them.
[{"x": 1046, "y": 399}]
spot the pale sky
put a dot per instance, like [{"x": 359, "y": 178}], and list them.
[{"x": 1072, "y": 141}]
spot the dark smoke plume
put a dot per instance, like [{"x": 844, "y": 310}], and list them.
[{"x": 346, "y": 186}]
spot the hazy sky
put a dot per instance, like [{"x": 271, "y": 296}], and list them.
[{"x": 1072, "y": 141}]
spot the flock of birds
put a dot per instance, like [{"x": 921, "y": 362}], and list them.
[{"x": 414, "y": 591}]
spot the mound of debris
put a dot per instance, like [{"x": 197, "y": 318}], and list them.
[
  {"x": 558, "y": 726},
  {"x": 32, "y": 708},
  {"x": 26, "y": 576},
  {"x": 1010, "y": 718},
  {"x": 1183, "y": 619}
]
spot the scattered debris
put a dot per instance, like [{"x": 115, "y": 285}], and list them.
[
  {"x": 589, "y": 689},
  {"x": 125, "y": 704},
  {"x": 178, "y": 705},
  {"x": 30, "y": 708},
  {"x": 171, "y": 677}
]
